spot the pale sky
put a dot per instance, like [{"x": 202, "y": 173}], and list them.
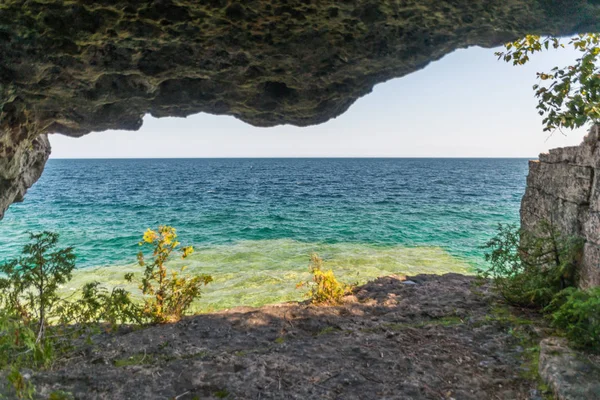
[{"x": 469, "y": 104}]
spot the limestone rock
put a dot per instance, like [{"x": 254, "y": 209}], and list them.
[
  {"x": 567, "y": 372},
  {"x": 23, "y": 170},
  {"x": 562, "y": 188},
  {"x": 569, "y": 182},
  {"x": 90, "y": 65}
]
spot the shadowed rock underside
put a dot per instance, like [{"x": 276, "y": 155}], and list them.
[{"x": 78, "y": 66}]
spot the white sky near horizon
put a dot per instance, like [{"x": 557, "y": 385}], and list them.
[{"x": 468, "y": 104}]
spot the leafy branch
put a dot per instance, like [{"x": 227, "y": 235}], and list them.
[{"x": 568, "y": 97}]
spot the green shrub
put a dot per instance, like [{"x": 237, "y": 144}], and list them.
[
  {"x": 555, "y": 254},
  {"x": 60, "y": 395},
  {"x": 29, "y": 288},
  {"x": 324, "y": 287},
  {"x": 23, "y": 389},
  {"x": 29, "y": 301},
  {"x": 168, "y": 296},
  {"x": 99, "y": 305},
  {"x": 577, "y": 313},
  {"x": 539, "y": 270},
  {"x": 529, "y": 269},
  {"x": 37, "y": 324},
  {"x": 19, "y": 344}
]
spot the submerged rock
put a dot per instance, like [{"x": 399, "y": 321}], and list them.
[{"x": 81, "y": 66}]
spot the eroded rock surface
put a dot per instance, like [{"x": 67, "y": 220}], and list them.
[
  {"x": 563, "y": 189},
  {"x": 78, "y": 66},
  {"x": 439, "y": 338},
  {"x": 571, "y": 375}
]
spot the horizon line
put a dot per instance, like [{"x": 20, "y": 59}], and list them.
[{"x": 292, "y": 157}]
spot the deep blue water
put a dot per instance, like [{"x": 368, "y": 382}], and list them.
[{"x": 103, "y": 206}]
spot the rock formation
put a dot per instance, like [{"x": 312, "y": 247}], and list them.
[
  {"x": 90, "y": 65},
  {"x": 433, "y": 340},
  {"x": 563, "y": 188},
  {"x": 570, "y": 374}
]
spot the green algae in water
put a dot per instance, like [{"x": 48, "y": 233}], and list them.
[{"x": 259, "y": 272}]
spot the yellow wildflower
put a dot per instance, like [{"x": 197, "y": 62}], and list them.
[
  {"x": 187, "y": 251},
  {"x": 149, "y": 236}
]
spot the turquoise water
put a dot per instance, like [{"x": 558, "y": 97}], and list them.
[{"x": 254, "y": 222}]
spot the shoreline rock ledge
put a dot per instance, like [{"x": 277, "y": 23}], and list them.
[{"x": 563, "y": 188}]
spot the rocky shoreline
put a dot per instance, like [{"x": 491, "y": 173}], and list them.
[{"x": 422, "y": 337}]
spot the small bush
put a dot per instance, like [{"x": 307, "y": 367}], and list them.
[
  {"x": 37, "y": 325},
  {"x": 577, "y": 313},
  {"x": 99, "y": 305},
  {"x": 19, "y": 345},
  {"x": 324, "y": 287},
  {"x": 29, "y": 288},
  {"x": 168, "y": 295},
  {"x": 29, "y": 301},
  {"x": 61, "y": 395},
  {"x": 538, "y": 270},
  {"x": 529, "y": 269},
  {"x": 23, "y": 389},
  {"x": 552, "y": 252}
]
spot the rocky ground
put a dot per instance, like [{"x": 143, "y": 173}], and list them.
[
  {"x": 571, "y": 374},
  {"x": 428, "y": 337}
]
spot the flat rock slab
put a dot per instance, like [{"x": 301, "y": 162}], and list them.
[
  {"x": 571, "y": 374},
  {"x": 438, "y": 339}
]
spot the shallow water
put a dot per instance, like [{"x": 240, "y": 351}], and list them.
[{"x": 254, "y": 222}]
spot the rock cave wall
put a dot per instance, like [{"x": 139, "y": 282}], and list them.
[{"x": 563, "y": 188}]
